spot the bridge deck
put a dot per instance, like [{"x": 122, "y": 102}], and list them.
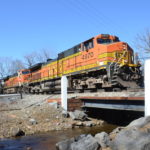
[{"x": 117, "y": 103}]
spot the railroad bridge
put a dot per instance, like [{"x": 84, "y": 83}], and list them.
[
  {"x": 115, "y": 103},
  {"x": 132, "y": 101}
]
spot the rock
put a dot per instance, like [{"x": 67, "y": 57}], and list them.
[
  {"x": 71, "y": 114},
  {"x": 77, "y": 138},
  {"x": 117, "y": 130},
  {"x": 78, "y": 115},
  {"x": 65, "y": 114},
  {"x": 100, "y": 122},
  {"x": 113, "y": 134},
  {"x": 79, "y": 124},
  {"x": 85, "y": 143},
  {"x": 47, "y": 120},
  {"x": 89, "y": 124},
  {"x": 17, "y": 132},
  {"x": 64, "y": 145},
  {"x": 32, "y": 122},
  {"x": 103, "y": 139},
  {"x": 139, "y": 122},
  {"x": 29, "y": 148},
  {"x": 131, "y": 139}
]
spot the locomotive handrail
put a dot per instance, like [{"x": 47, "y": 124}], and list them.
[{"x": 117, "y": 62}]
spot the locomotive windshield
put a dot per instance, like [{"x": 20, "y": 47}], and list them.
[
  {"x": 25, "y": 72},
  {"x": 106, "y": 41}
]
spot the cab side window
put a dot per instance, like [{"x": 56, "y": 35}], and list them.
[{"x": 88, "y": 45}]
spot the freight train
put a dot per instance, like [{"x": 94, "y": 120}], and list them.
[{"x": 101, "y": 62}]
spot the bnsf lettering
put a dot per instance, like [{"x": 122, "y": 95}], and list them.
[{"x": 88, "y": 55}]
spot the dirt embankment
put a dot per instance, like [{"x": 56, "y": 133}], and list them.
[{"x": 33, "y": 114}]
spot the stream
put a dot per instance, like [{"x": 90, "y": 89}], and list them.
[{"x": 48, "y": 140}]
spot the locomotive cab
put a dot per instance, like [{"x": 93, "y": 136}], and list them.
[
  {"x": 24, "y": 76},
  {"x": 107, "y": 39}
]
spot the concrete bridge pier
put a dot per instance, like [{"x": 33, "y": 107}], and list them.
[
  {"x": 64, "y": 83},
  {"x": 147, "y": 87}
]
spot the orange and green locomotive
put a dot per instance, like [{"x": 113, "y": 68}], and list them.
[{"x": 102, "y": 62}]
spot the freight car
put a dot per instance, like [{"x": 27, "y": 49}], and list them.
[{"x": 102, "y": 62}]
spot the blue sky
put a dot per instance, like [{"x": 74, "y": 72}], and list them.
[{"x": 56, "y": 25}]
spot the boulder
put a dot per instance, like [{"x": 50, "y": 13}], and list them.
[
  {"x": 139, "y": 122},
  {"x": 85, "y": 143},
  {"x": 117, "y": 130},
  {"x": 131, "y": 139},
  {"x": 65, "y": 114},
  {"x": 17, "y": 132},
  {"x": 77, "y": 138},
  {"x": 78, "y": 115},
  {"x": 103, "y": 139},
  {"x": 82, "y": 142},
  {"x": 113, "y": 134},
  {"x": 65, "y": 145}
]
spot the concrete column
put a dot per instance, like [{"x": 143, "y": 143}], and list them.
[
  {"x": 64, "y": 92},
  {"x": 147, "y": 87}
]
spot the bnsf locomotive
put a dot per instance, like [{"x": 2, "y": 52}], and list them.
[{"x": 102, "y": 62}]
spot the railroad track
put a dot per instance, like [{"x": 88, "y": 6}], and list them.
[
  {"x": 124, "y": 93},
  {"x": 82, "y": 91}
]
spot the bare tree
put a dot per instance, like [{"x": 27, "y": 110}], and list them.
[
  {"x": 37, "y": 57},
  {"x": 43, "y": 55},
  {"x": 46, "y": 54},
  {"x": 16, "y": 65},
  {"x": 5, "y": 65},
  {"x": 2, "y": 69},
  {"x": 143, "y": 44},
  {"x": 30, "y": 59},
  {"x": 9, "y": 66}
]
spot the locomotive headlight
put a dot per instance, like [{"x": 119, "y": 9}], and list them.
[
  {"x": 101, "y": 63},
  {"x": 124, "y": 46}
]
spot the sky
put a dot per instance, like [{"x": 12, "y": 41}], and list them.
[{"x": 56, "y": 25}]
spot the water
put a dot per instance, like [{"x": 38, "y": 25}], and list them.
[{"x": 48, "y": 140}]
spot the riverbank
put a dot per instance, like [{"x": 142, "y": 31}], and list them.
[
  {"x": 47, "y": 141},
  {"x": 135, "y": 136},
  {"x": 32, "y": 115}
]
